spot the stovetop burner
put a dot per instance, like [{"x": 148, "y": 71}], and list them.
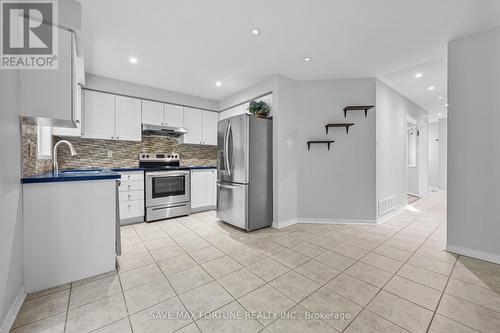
[{"x": 159, "y": 161}]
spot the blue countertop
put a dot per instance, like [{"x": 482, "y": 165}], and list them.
[
  {"x": 194, "y": 167},
  {"x": 92, "y": 174},
  {"x": 126, "y": 169},
  {"x": 72, "y": 176}
]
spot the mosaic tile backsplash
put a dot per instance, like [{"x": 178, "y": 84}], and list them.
[{"x": 109, "y": 153}]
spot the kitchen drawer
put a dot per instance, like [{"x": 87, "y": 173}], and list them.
[
  {"x": 130, "y": 209},
  {"x": 132, "y": 185},
  {"x": 132, "y": 195},
  {"x": 132, "y": 176}
]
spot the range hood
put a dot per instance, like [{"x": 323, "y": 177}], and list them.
[{"x": 163, "y": 130}]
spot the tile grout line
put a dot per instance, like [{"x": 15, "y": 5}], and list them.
[
  {"x": 382, "y": 288},
  {"x": 67, "y": 308},
  {"x": 441, "y": 297}
]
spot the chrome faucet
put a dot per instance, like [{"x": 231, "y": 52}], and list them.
[{"x": 72, "y": 150}]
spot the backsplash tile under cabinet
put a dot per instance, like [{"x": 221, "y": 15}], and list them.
[{"x": 110, "y": 153}]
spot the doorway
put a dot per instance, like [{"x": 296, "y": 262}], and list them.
[{"x": 412, "y": 172}]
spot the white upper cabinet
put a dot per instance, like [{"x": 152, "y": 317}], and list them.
[
  {"x": 174, "y": 115},
  {"x": 152, "y": 113},
  {"x": 99, "y": 115},
  {"x": 107, "y": 116},
  {"x": 156, "y": 113},
  {"x": 192, "y": 123},
  {"x": 46, "y": 95},
  {"x": 236, "y": 110},
  {"x": 201, "y": 126},
  {"x": 128, "y": 119},
  {"x": 209, "y": 127},
  {"x": 73, "y": 132}
]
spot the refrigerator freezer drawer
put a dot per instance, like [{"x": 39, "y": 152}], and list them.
[{"x": 232, "y": 204}]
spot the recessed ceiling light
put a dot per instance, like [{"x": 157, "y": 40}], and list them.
[
  {"x": 255, "y": 31},
  {"x": 218, "y": 83},
  {"x": 440, "y": 114},
  {"x": 440, "y": 97},
  {"x": 133, "y": 60},
  {"x": 418, "y": 75},
  {"x": 431, "y": 88},
  {"x": 307, "y": 59},
  {"x": 446, "y": 105}
]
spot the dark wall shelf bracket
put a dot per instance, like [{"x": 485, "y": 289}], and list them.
[
  {"x": 328, "y": 142},
  {"x": 358, "y": 108},
  {"x": 346, "y": 125}
]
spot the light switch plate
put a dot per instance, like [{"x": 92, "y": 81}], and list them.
[{"x": 289, "y": 144}]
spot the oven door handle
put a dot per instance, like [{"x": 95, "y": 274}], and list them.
[{"x": 169, "y": 174}]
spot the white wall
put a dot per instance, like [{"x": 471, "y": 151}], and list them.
[
  {"x": 284, "y": 129},
  {"x": 434, "y": 154},
  {"x": 11, "y": 259},
  {"x": 336, "y": 185},
  {"x": 474, "y": 145},
  {"x": 443, "y": 153},
  {"x": 393, "y": 109},
  {"x": 137, "y": 90}
]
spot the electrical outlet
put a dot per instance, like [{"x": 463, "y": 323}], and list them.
[
  {"x": 289, "y": 144},
  {"x": 110, "y": 153}
]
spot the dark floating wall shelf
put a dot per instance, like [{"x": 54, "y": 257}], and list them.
[
  {"x": 346, "y": 125},
  {"x": 357, "y": 108},
  {"x": 328, "y": 142}
]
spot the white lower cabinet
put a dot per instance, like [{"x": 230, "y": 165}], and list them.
[
  {"x": 203, "y": 188},
  {"x": 131, "y": 197}
]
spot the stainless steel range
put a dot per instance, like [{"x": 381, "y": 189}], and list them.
[{"x": 167, "y": 186}]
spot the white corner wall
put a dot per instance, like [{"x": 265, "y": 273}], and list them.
[
  {"x": 393, "y": 109},
  {"x": 11, "y": 258},
  {"x": 434, "y": 154},
  {"x": 443, "y": 153},
  {"x": 284, "y": 129},
  {"x": 336, "y": 185},
  {"x": 474, "y": 146}
]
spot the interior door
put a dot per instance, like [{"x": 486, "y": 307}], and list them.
[{"x": 231, "y": 204}]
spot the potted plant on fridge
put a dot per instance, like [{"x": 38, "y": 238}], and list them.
[{"x": 259, "y": 108}]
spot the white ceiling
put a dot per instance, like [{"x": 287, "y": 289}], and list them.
[
  {"x": 187, "y": 45},
  {"x": 417, "y": 89}
]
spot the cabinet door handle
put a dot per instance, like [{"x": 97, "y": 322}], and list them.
[
  {"x": 112, "y": 137},
  {"x": 117, "y": 137}
]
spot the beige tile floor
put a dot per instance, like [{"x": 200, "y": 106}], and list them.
[{"x": 195, "y": 274}]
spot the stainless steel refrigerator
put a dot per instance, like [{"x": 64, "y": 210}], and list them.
[{"x": 245, "y": 172}]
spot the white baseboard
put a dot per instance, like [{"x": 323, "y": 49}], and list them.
[
  {"x": 315, "y": 220},
  {"x": 283, "y": 224},
  {"x": 13, "y": 311},
  {"x": 390, "y": 214},
  {"x": 494, "y": 258},
  {"x": 334, "y": 221}
]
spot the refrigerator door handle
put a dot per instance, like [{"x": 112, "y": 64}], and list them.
[
  {"x": 226, "y": 149},
  {"x": 226, "y": 186}
]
